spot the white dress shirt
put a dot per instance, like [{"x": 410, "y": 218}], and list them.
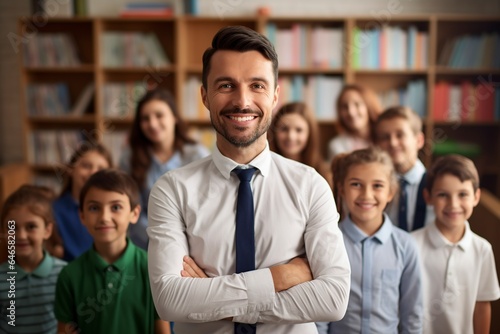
[
  {"x": 454, "y": 277},
  {"x": 413, "y": 177},
  {"x": 192, "y": 211}
]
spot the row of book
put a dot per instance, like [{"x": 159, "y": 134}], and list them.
[
  {"x": 413, "y": 95},
  {"x": 148, "y": 9},
  {"x": 389, "y": 47},
  {"x": 132, "y": 49},
  {"x": 120, "y": 99},
  {"x": 472, "y": 51},
  {"x": 307, "y": 46},
  {"x": 53, "y": 147},
  {"x": 53, "y": 99},
  {"x": 318, "y": 92},
  {"x": 466, "y": 101},
  {"x": 51, "y": 49},
  {"x": 194, "y": 109}
]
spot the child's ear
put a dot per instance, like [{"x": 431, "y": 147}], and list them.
[
  {"x": 48, "y": 231},
  {"x": 134, "y": 214},
  {"x": 477, "y": 196},
  {"x": 427, "y": 196},
  {"x": 420, "y": 140}
]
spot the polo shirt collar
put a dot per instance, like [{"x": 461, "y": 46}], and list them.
[
  {"x": 120, "y": 264},
  {"x": 225, "y": 165},
  {"x": 414, "y": 175},
  {"x": 438, "y": 240},
  {"x": 357, "y": 235},
  {"x": 43, "y": 270}
]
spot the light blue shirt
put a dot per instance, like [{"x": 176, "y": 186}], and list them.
[
  {"x": 137, "y": 232},
  {"x": 386, "y": 288}
]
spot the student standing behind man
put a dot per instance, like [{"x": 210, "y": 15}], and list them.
[
  {"x": 193, "y": 211},
  {"x": 459, "y": 275},
  {"x": 398, "y": 131}
]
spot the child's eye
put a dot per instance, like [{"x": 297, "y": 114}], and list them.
[
  {"x": 92, "y": 208},
  {"x": 464, "y": 194},
  {"x": 31, "y": 227},
  {"x": 116, "y": 207},
  {"x": 378, "y": 185},
  {"x": 441, "y": 195},
  {"x": 355, "y": 184}
]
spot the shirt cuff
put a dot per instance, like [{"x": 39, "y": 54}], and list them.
[{"x": 260, "y": 287}]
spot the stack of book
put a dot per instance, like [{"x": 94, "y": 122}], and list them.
[
  {"x": 139, "y": 9},
  {"x": 51, "y": 49},
  {"x": 472, "y": 51},
  {"x": 412, "y": 95}
]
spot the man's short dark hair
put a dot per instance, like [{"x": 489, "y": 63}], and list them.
[
  {"x": 241, "y": 39},
  {"x": 112, "y": 180}
]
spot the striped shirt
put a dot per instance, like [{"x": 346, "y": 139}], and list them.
[{"x": 27, "y": 299}]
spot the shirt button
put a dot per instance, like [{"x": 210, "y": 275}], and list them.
[
  {"x": 110, "y": 268},
  {"x": 110, "y": 285}
]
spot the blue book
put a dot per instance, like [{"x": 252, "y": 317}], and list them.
[
  {"x": 412, "y": 41},
  {"x": 497, "y": 104},
  {"x": 151, "y": 5}
]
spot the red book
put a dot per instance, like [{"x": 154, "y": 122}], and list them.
[
  {"x": 441, "y": 101},
  {"x": 468, "y": 102},
  {"x": 485, "y": 95}
]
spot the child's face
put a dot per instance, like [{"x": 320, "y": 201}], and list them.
[
  {"x": 107, "y": 214},
  {"x": 31, "y": 232},
  {"x": 354, "y": 112},
  {"x": 453, "y": 201},
  {"x": 366, "y": 192},
  {"x": 89, "y": 163},
  {"x": 292, "y": 133},
  {"x": 397, "y": 138},
  {"x": 157, "y": 121}
]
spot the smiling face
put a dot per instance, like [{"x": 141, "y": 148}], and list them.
[
  {"x": 292, "y": 134},
  {"x": 157, "y": 122},
  {"x": 107, "y": 214},
  {"x": 396, "y": 137},
  {"x": 240, "y": 96},
  {"x": 366, "y": 191},
  {"x": 31, "y": 232},
  {"x": 453, "y": 202},
  {"x": 89, "y": 163},
  {"x": 354, "y": 112}
]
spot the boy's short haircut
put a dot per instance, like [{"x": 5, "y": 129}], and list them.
[
  {"x": 400, "y": 112},
  {"x": 37, "y": 199},
  {"x": 456, "y": 165},
  {"x": 112, "y": 180}
]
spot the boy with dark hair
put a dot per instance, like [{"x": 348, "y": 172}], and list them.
[
  {"x": 458, "y": 267},
  {"x": 106, "y": 289},
  {"x": 398, "y": 131}
]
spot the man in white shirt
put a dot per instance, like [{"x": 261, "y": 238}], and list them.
[{"x": 192, "y": 211}]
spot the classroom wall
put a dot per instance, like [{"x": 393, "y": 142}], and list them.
[{"x": 11, "y": 138}]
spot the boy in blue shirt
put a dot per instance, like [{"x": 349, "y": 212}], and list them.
[{"x": 106, "y": 290}]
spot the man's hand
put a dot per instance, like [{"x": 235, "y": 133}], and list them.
[{"x": 191, "y": 269}]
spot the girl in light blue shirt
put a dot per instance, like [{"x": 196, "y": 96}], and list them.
[{"x": 386, "y": 289}]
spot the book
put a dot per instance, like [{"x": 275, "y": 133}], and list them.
[{"x": 83, "y": 100}]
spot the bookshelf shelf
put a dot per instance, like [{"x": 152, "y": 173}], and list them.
[{"x": 184, "y": 39}]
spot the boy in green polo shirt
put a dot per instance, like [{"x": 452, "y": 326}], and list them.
[{"x": 106, "y": 289}]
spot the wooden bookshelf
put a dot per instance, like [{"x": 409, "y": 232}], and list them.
[{"x": 184, "y": 39}]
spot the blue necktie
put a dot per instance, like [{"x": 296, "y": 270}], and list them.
[
  {"x": 403, "y": 205},
  {"x": 245, "y": 238}
]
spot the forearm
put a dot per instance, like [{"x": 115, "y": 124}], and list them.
[{"x": 482, "y": 318}]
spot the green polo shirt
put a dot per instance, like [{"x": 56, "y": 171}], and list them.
[
  {"x": 33, "y": 295},
  {"x": 107, "y": 298}
]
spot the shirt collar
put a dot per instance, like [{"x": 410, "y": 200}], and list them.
[
  {"x": 225, "y": 165},
  {"x": 357, "y": 235},
  {"x": 438, "y": 240},
  {"x": 43, "y": 270},
  {"x": 414, "y": 175},
  {"x": 119, "y": 265}
]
